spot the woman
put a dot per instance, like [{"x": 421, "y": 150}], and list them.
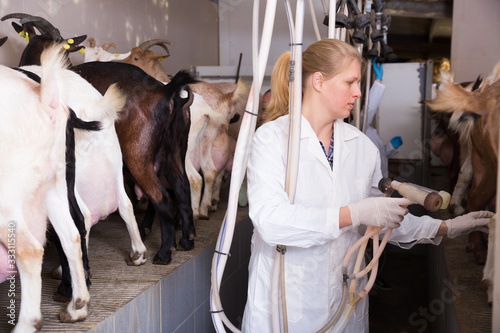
[{"x": 339, "y": 170}]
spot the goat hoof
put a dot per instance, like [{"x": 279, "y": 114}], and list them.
[
  {"x": 38, "y": 324},
  {"x": 158, "y": 261},
  {"x": 79, "y": 304},
  {"x": 135, "y": 256},
  {"x": 61, "y": 298},
  {"x": 203, "y": 217},
  {"x": 484, "y": 284},
  {"x": 186, "y": 244},
  {"x": 64, "y": 317}
]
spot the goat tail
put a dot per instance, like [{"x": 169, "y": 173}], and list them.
[
  {"x": 242, "y": 90},
  {"x": 182, "y": 78},
  {"x": 54, "y": 58},
  {"x": 75, "y": 122},
  {"x": 113, "y": 101},
  {"x": 53, "y": 63}
]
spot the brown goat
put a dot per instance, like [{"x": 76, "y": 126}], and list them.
[
  {"x": 149, "y": 61},
  {"x": 485, "y": 102},
  {"x": 215, "y": 135}
]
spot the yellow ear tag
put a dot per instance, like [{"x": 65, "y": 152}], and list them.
[
  {"x": 70, "y": 41},
  {"x": 66, "y": 47},
  {"x": 82, "y": 50},
  {"x": 25, "y": 35},
  {"x": 161, "y": 59},
  {"x": 117, "y": 55}
]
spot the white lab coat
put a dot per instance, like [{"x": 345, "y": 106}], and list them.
[{"x": 310, "y": 227}]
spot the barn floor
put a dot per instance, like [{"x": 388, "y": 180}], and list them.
[{"x": 421, "y": 279}]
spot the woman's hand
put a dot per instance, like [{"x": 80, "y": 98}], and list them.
[
  {"x": 464, "y": 224},
  {"x": 379, "y": 211}
]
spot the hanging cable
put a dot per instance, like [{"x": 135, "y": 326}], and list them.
[
  {"x": 314, "y": 21},
  {"x": 243, "y": 144}
]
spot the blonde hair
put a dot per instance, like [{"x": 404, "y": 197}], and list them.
[{"x": 327, "y": 56}]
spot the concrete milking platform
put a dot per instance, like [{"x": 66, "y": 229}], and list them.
[{"x": 147, "y": 298}]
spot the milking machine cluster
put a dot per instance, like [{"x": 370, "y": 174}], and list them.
[{"x": 360, "y": 23}]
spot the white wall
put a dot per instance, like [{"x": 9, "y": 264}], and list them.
[
  {"x": 190, "y": 24},
  {"x": 475, "y": 44},
  {"x": 236, "y": 30},
  {"x": 400, "y": 110}
]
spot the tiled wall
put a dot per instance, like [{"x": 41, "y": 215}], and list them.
[{"x": 180, "y": 302}]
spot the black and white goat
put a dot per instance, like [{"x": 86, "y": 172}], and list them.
[{"x": 33, "y": 186}]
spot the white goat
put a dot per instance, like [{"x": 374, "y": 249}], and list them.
[
  {"x": 99, "y": 165},
  {"x": 33, "y": 186},
  {"x": 210, "y": 151},
  {"x": 93, "y": 53},
  {"x": 212, "y": 148}
]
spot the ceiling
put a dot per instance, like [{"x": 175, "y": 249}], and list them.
[{"x": 419, "y": 29}]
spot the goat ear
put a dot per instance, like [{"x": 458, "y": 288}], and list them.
[
  {"x": 17, "y": 27},
  {"x": 158, "y": 56},
  {"x": 485, "y": 85}
]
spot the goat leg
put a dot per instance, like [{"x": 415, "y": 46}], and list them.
[
  {"x": 147, "y": 221},
  {"x": 182, "y": 193}
]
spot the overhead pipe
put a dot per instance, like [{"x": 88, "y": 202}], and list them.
[
  {"x": 314, "y": 21},
  {"x": 331, "y": 18},
  {"x": 243, "y": 144},
  {"x": 295, "y": 115}
]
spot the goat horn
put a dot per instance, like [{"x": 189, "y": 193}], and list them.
[
  {"x": 15, "y": 15},
  {"x": 91, "y": 42},
  {"x": 106, "y": 45},
  {"x": 44, "y": 25},
  {"x": 147, "y": 44}
]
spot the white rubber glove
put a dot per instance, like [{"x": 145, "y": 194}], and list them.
[
  {"x": 469, "y": 222},
  {"x": 379, "y": 211}
]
